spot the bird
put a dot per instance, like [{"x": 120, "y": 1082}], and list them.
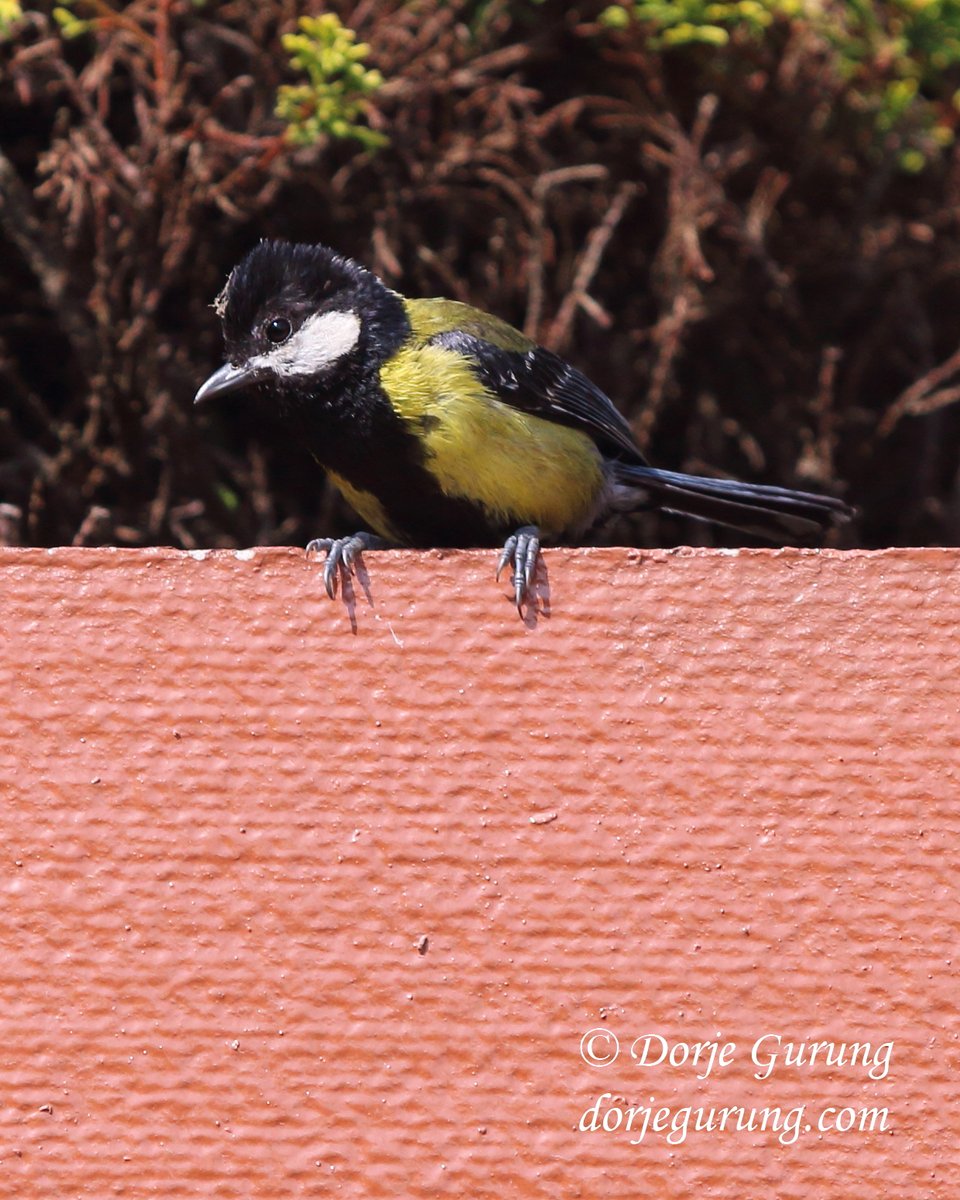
[{"x": 443, "y": 426}]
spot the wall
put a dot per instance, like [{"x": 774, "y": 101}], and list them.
[{"x": 306, "y": 898}]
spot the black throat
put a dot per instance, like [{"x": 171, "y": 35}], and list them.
[{"x": 343, "y": 416}]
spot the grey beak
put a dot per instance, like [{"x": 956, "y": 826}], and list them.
[{"x": 228, "y": 379}]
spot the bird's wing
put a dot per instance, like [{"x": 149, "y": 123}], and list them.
[{"x": 538, "y": 381}]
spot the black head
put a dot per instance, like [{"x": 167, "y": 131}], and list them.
[{"x": 297, "y": 317}]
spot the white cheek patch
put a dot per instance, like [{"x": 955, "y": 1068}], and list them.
[{"x": 318, "y": 342}]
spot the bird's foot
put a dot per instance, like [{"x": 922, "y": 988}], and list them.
[
  {"x": 341, "y": 555},
  {"x": 521, "y": 550}
]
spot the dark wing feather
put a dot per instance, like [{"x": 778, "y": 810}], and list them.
[
  {"x": 537, "y": 381},
  {"x": 540, "y": 382}
]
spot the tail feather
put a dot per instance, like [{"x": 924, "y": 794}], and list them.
[{"x": 770, "y": 512}]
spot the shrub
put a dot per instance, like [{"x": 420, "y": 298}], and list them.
[{"x": 724, "y": 237}]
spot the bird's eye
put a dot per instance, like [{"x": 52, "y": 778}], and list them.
[{"x": 277, "y": 330}]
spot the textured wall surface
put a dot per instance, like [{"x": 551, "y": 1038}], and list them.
[{"x": 305, "y": 898}]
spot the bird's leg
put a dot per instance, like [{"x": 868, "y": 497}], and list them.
[
  {"x": 521, "y": 549},
  {"x": 341, "y": 554}
]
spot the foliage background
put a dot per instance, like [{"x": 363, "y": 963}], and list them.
[{"x": 740, "y": 219}]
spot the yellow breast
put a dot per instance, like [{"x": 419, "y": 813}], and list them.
[{"x": 520, "y": 468}]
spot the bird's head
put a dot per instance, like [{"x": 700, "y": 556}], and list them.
[{"x": 297, "y": 317}]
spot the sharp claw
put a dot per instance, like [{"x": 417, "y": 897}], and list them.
[
  {"x": 530, "y": 561},
  {"x": 341, "y": 553},
  {"x": 330, "y": 574},
  {"x": 522, "y": 549},
  {"x": 332, "y": 548},
  {"x": 509, "y": 547}
]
